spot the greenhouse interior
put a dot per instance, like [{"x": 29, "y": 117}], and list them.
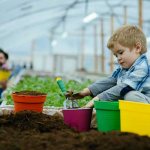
[{"x": 74, "y": 74}]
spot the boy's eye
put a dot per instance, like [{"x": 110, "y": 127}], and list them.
[
  {"x": 120, "y": 52},
  {"x": 115, "y": 55}
]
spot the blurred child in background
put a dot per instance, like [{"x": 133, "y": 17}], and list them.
[{"x": 4, "y": 70}]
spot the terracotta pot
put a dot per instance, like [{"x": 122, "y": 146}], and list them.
[{"x": 28, "y": 101}]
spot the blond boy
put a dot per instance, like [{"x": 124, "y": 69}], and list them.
[{"x": 131, "y": 80}]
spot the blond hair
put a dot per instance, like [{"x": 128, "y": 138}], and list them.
[{"x": 128, "y": 36}]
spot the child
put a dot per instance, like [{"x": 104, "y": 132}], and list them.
[
  {"x": 131, "y": 80},
  {"x": 4, "y": 71}
]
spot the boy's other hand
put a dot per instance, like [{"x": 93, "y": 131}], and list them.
[{"x": 90, "y": 104}]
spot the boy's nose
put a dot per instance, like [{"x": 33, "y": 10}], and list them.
[{"x": 119, "y": 58}]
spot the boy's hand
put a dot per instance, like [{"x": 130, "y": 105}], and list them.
[
  {"x": 73, "y": 96},
  {"x": 69, "y": 94},
  {"x": 81, "y": 94},
  {"x": 78, "y": 95}
]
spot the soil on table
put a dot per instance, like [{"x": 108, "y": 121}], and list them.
[
  {"x": 28, "y": 130},
  {"x": 32, "y": 93}
]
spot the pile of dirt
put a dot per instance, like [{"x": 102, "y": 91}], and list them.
[
  {"x": 31, "y": 130},
  {"x": 28, "y": 120}
]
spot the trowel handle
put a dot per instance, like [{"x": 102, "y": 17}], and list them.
[{"x": 61, "y": 84}]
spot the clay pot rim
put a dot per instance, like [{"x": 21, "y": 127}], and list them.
[
  {"x": 32, "y": 96},
  {"x": 28, "y": 98},
  {"x": 28, "y": 95}
]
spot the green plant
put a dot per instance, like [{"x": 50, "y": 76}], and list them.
[{"x": 48, "y": 85}]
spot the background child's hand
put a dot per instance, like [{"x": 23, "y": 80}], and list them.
[{"x": 3, "y": 84}]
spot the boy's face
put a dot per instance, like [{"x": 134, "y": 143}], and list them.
[
  {"x": 126, "y": 56},
  {"x": 2, "y": 59}
]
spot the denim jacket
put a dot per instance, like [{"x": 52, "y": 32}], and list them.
[{"x": 137, "y": 78}]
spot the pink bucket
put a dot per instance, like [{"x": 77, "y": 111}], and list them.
[{"x": 78, "y": 119}]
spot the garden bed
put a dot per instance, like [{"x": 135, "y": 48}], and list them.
[
  {"x": 31, "y": 130},
  {"x": 46, "y": 85}
]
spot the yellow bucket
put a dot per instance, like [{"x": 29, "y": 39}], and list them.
[
  {"x": 135, "y": 117},
  {"x": 4, "y": 75}
]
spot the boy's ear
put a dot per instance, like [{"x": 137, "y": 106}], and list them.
[{"x": 138, "y": 47}]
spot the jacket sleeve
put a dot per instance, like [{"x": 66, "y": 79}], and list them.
[
  {"x": 102, "y": 85},
  {"x": 114, "y": 93}
]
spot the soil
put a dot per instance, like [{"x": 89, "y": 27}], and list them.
[
  {"x": 33, "y": 93},
  {"x": 28, "y": 130}
]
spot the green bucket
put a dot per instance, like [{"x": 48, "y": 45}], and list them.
[{"x": 107, "y": 115}]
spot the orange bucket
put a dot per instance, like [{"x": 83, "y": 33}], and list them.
[{"x": 28, "y": 101}]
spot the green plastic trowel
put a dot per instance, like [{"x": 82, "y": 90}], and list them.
[{"x": 68, "y": 104}]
